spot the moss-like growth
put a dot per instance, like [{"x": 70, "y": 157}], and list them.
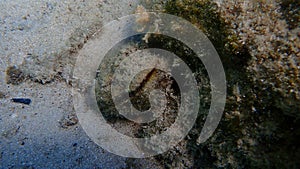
[
  {"x": 291, "y": 12},
  {"x": 256, "y": 131},
  {"x": 261, "y": 120},
  {"x": 204, "y": 14},
  {"x": 14, "y": 75}
]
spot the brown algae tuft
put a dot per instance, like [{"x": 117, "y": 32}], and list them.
[{"x": 14, "y": 75}]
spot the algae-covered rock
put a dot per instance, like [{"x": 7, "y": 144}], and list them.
[{"x": 259, "y": 47}]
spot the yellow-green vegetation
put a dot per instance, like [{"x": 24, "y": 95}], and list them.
[{"x": 261, "y": 123}]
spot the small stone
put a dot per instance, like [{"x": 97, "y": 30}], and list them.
[
  {"x": 68, "y": 121},
  {"x": 22, "y": 143},
  {"x": 2, "y": 95}
]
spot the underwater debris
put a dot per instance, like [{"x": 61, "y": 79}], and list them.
[{"x": 22, "y": 100}]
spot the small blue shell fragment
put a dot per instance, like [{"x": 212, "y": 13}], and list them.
[{"x": 22, "y": 100}]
